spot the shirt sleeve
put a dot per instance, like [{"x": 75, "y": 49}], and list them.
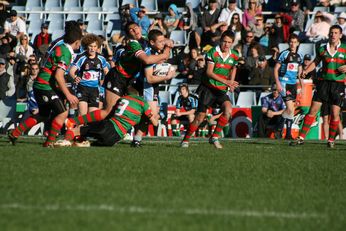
[
  {"x": 264, "y": 102},
  {"x": 147, "y": 110},
  {"x": 135, "y": 48},
  {"x": 62, "y": 58}
]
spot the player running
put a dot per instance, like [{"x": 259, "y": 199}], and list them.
[
  {"x": 330, "y": 87},
  {"x": 150, "y": 79},
  {"x": 221, "y": 71},
  {"x": 50, "y": 88},
  {"x": 286, "y": 71}
]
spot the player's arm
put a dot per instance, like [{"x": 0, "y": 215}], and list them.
[
  {"x": 60, "y": 78},
  {"x": 192, "y": 111},
  {"x": 73, "y": 73},
  {"x": 276, "y": 76},
  {"x": 310, "y": 68},
  {"x": 232, "y": 76},
  {"x": 148, "y": 72},
  {"x": 151, "y": 59},
  {"x": 301, "y": 80}
]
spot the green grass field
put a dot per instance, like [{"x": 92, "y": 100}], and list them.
[{"x": 249, "y": 185}]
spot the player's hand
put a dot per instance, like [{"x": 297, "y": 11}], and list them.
[
  {"x": 171, "y": 74},
  {"x": 72, "y": 99},
  {"x": 232, "y": 84},
  {"x": 77, "y": 80},
  {"x": 342, "y": 69},
  {"x": 169, "y": 43},
  {"x": 303, "y": 74},
  {"x": 279, "y": 87}
]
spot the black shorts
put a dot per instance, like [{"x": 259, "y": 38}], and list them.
[
  {"x": 49, "y": 102},
  {"x": 209, "y": 98},
  {"x": 329, "y": 92},
  {"x": 326, "y": 109},
  {"x": 115, "y": 83},
  {"x": 290, "y": 92},
  {"x": 103, "y": 131},
  {"x": 89, "y": 94}
]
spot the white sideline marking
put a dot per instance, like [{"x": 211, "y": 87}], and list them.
[{"x": 141, "y": 210}]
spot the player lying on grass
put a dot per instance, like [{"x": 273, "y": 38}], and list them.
[{"x": 129, "y": 110}]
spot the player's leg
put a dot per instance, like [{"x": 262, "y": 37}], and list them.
[
  {"x": 333, "y": 125},
  {"x": 206, "y": 99},
  {"x": 102, "y": 131},
  {"x": 221, "y": 122},
  {"x": 82, "y": 108},
  {"x": 325, "y": 113},
  {"x": 288, "y": 116},
  {"x": 42, "y": 103},
  {"x": 175, "y": 125},
  {"x": 115, "y": 87},
  {"x": 308, "y": 121}
]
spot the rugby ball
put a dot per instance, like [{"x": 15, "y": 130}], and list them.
[{"x": 162, "y": 69}]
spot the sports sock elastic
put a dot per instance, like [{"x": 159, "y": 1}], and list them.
[
  {"x": 221, "y": 123},
  {"x": 308, "y": 120},
  {"x": 24, "y": 126},
  {"x": 54, "y": 131},
  {"x": 333, "y": 128},
  {"x": 93, "y": 116},
  {"x": 192, "y": 128}
]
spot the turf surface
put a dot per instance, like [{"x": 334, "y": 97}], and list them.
[{"x": 249, "y": 185}]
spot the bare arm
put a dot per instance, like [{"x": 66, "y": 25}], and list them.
[
  {"x": 148, "y": 72},
  {"x": 151, "y": 59},
  {"x": 60, "y": 78},
  {"x": 276, "y": 76}
]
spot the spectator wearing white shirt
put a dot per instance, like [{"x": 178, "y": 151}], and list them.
[
  {"x": 227, "y": 12},
  {"x": 15, "y": 25},
  {"x": 342, "y": 22},
  {"x": 24, "y": 49}
]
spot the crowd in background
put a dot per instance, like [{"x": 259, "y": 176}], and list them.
[{"x": 257, "y": 37}]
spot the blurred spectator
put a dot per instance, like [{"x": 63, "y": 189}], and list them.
[
  {"x": 138, "y": 15},
  {"x": 252, "y": 59},
  {"x": 105, "y": 49},
  {"x": 184, "y": 61},
  {"x": 274, "y": 52},
  {"x": 24, "y": 49},
  {"x": 258, "y": 27},
  {"x": 32, "y": 104},
  {"x": 262, "y": 74},
  {"x": 342, "y": 22},
  {"x": 199, "y": 71},
  {"x": 297, "y": 15},
  {"x": 280, "y": 30},
  {"x": 319, "y": 29},
  {"x": 43, "y": 38},
  {"x": 228, "y": 12},
  {"x": 248, "y": 42},
  {"x": 250, "y": 13},
  {"x": 213, "y": 36},
  {"x": 185, "y": 109},
  {"x": 82, "y": 26},
  {"x": 208, "y": 19},
  {"x": 311, "y": 75},
  {"x": 5, "y": 46},
  {"x": 272, "y": 108},
  {"x": 158, "y": 23},
  {"x": 7, "y": 88},
  {"x": 32, "y": 59},
  {"x": 172, "y": 19},
  {"x": 205, "y": 3},
  {"x": 237, "y": 28},
  {"x": 21, "y": 90},
  {"x": 15, "y": 25},
  {"x": 3, "y": 15}
]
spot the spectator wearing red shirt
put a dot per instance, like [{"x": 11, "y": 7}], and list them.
[{"x": 43, "y": 38}]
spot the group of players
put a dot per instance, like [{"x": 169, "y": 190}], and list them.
[{"x": 134, "y": 74}]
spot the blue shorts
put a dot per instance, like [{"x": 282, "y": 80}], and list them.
[{"x": 150, "y": 92}]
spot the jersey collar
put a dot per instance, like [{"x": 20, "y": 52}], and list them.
[
  {"x": 218, "y": 50},
  {"x": 70, "y": 48},
  {"x": 336, "y": 50}
]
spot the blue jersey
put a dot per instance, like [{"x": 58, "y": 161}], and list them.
[
  {"x": 189, "y": 103},
  {"x": 289, "y": 69},
  {"x": 273, "y": 104},
  {"x": 90, "y": 70}
]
